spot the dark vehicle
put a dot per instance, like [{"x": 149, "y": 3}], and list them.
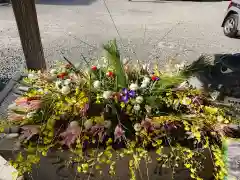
[
  {"x": 231, "y": 20},
  {"x": 4, "y": 1}
]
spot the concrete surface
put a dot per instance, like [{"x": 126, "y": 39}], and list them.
[{"x": 149, "y": 30}]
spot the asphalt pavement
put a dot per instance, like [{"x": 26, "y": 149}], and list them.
[{"x": 146, "y": 30}]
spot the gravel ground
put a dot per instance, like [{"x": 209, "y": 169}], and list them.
[
  {"x": 148, "y": 30},
  {"x": 145, "y": 30}
]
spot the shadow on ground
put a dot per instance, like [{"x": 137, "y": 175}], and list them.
[
  {"x": 65, "y": 2},
  {"x": 221, "y": 73}
]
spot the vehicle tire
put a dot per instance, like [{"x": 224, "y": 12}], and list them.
[{"x": 230, "y": 26}]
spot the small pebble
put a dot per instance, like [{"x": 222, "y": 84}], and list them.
[{"x": 12, "y": 135}]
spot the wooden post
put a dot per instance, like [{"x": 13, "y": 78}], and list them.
[{"x": 26, "y": 18}]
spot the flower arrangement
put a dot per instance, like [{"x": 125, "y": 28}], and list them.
[{"x": 118, "y": 107}]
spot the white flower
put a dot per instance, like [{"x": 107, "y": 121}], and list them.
[
  {"x": 136, "y": 107},
  {"x": 65, "y": 90},
  {"x": 67, "y": 82},
  {"x": 32, "y": 76},
  {"x": 148, "y": 108},
  {"x": 73, "y": 124},
  {"x": 107, "y": 94},
  {"x": 107, "y": 124},
  {"x": 133, "y": 87},
  {"x": 144, "y": 85},
  {"x": 146, "y": 80},
  {"x": 137, "y": 127},
  {"x": 97, "y": 84},
  {"x": 53, "y": 71},
  {"x": 58, "y": 84},
  {"x": 88, "y": 124},
  {"x": 139, "y": 99}
]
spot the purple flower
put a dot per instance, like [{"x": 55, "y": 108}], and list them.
[
  {"x": 132, "y": 93},
  {"x": 124, "y": 98},
  {"x": 119, "y": 133},
  {"x": 157, "y": 79},
  {"x": 125, "y": 91}
]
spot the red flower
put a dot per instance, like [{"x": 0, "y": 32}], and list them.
[
  {"x": 155, "y": 78},
  {"x": 62, "y": 75},
  {"x": 110, "y": 74},
  {"x": 94, "y": 68}
]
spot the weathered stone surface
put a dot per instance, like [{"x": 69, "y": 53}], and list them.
[
  {"x": 57, "y": 168},
  {"x": 233, "y": 158}
]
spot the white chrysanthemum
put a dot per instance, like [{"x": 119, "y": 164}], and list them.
[
  {"x": 97, "y": 84},
  {"x": 58, "y": 84},
  {"x": 65, "y": 90},
  {"x": 67, "y": 82},
  {"x": 148, "y": 108},
  {"x": 146, "y": 80},
  {"x": 137, "y": 127},
  {"x": 107, "y": 124},
  {"x": 53, "y": 71},
  {"x": 144, "y": 85},
  {"x": 88, "y": 124},
  {"x": 107, "y": 94},
  {"x": 139, "y": 99},
  {"x": 136, "y": 107},
  {"x": 133, "y": 87}
]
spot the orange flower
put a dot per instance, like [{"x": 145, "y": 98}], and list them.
[{"x": 21, "y": 100}]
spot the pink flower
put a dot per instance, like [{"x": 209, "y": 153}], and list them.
[
  {"x": 71, "y": 135},
  {"x": 147, "y": 124},
  {"x": 98, "y": 130},
  {"x": 119, "y": 133},
  {"x": 29, "y": 131}
]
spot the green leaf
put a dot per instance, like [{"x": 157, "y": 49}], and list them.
[{"x": 113, "y": 56}]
